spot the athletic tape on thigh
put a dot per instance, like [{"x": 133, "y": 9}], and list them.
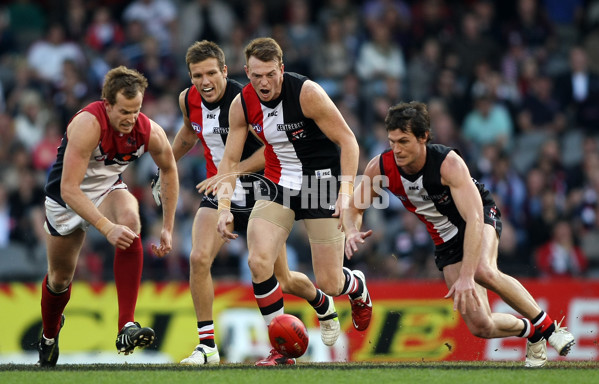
[
  {"x": 324, "y": 231},
  {"x": 274, "y": 213}
]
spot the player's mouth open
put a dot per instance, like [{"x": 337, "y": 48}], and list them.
[
  {"x": 264, "y": 92},
  {"x": 207, "y": 89}
]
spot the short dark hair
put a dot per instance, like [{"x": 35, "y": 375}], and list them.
[
  {"x": 264, "y": 49},
  {"x": 202, "y": 50},
  {"x": 121, "y": 78},
  {"x": 410, "y": 117}
]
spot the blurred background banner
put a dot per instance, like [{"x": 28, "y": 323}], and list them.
[{"x": 411, "y": 322}]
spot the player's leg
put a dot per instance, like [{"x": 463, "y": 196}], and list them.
[
  {"x": 516, "y": 296},
  {"x": 268, "y": 228},
  {"x": 326, "y": 243},
  {"x": 62, "y": 250},
  {"x": 206, "y": 243},
  {"x": 298, "y": 284},
  {"x": 121, "y": 207}
]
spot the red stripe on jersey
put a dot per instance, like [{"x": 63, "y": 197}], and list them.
[
  {"x": 272, "y": 166},
  {"x": 397, "y": 188}
]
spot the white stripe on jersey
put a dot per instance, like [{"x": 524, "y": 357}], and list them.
[
  {"x": 291, "y": 166},
  {"x": 211, "y": 133},
  {"x": 418, "y": 196}
]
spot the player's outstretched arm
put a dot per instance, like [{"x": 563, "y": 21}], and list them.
[
  {"x": 162, "y": 154},
  {"x": 361, "y": 200}
]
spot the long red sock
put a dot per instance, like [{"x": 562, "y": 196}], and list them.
[
  {"x": 128, "y": 265},
  {"x": 53, "y": 304}
]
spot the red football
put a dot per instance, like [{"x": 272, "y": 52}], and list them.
[{"x": 288, "y": 335}]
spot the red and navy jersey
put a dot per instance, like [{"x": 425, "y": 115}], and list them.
[
  {"x": 114, "y": 152},
  {"x": 424, "y": 195},
  {"x": 295, "y": 145},
  {"x": 210, "y": 122}
]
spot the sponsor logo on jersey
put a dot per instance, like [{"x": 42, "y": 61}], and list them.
[
  {"x": 290, "y": 126},
  {"x": 300, "y": 134},
  {"x": 273, "y": 113},
  {"x": 221, "y": 130},
  {"x": 322, "y": 173},
  {"x": 257, "y": 128}
]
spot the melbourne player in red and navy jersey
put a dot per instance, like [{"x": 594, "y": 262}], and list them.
[
  {"x": 309, "y": 151},
  {"x": 434, "y": 183},
  {"x": 85, "y": 188},
  {"x": 205, "y": 109}
]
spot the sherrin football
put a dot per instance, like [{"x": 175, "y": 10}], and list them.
[{"x": 288, "y": 335}]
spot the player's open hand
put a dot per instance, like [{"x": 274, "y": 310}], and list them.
[
  {"x": 225, "y": 219},
  {"x": 464, "y": 295},
  {"x": 208, "y": 185},
  {"x": 353, "y": 239}
]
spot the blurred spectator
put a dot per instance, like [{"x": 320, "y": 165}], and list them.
[
  {"x": 561, "y": 255},
  {"x": 432, "y": 19},
  {"x": 303, "y": 37},
  {"x": 26, "y": 210},
  {"x": 578, "y": 90},
  {"x": 31, "y": 119},
  {"x": 27, "y": 21},
  {"x": 412, "y": 249},
  {"x": 7, "y": 133},
  {"x": 158, "y": 67},
  {"x": 488, "y": 123},
  {"x": 531, "y": 25},
  {"x": 423, "y": 70},
  {"x": 44, "y": 153},
  {"x": 159, "y": 18},
  {"x": 75, "y": 20},
  {"x": 471, "y": 47},
  {"x": 71, "y": 92},
  {"x": 451, "y": 93},
  {"x": 46, "y": 56},
  {"x": 103, "y": 31},
  {"x": 233, "y": 50},
  {"x": 539, "y": 226},
  {"x": 255, "y": 20},
  {"x": 540, "y": 110},
  {"x": 212, "y": 20},
  {"x": 379, "y": 59}
]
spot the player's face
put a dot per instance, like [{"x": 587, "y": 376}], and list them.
[
  {"x": 208, "y": 79},
  {"x": 409, "y": 151},
  {"x": 124, "y": 113},
  {"x": 266, "y": 77}
]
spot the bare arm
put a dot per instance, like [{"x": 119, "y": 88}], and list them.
[
  {"x": 83, "y": 134},
  {"x": 455, "y": 174},
  {"x": 318, "y": 106},
  {"x": 362, "y": 199},
  {"x": 162, "y": 154},
  {"x": 186, "y": 137},
  {"x": 238, "y": 131}
]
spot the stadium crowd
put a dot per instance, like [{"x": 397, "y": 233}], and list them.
[{"x": 514, "y": 85}]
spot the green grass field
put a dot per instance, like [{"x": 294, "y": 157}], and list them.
[{"x": 427, "y": 373}]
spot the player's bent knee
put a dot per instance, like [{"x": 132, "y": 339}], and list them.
[
  {"x": 482, "y": 328},
  {"x": 258, "y": 264},
  {"x": 200, "y": 260}
]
